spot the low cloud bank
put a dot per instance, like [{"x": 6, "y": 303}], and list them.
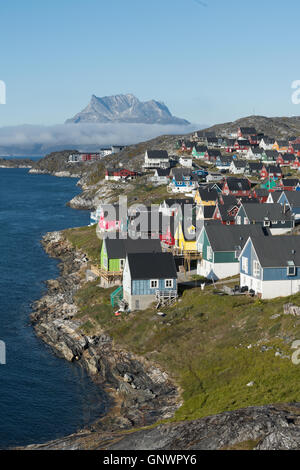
[{"x": 37, "y": 140}]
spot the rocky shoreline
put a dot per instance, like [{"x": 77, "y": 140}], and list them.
[
  {"x": 16, "y": 163},
  {"x": 140, "y": 392}
]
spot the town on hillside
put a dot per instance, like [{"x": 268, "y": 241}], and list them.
[{"x": 232, "y": 210}]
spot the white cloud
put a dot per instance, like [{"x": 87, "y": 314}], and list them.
[{"x": 29, "y": 138}]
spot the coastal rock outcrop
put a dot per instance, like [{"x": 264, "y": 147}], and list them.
[{"x": 142, "y": 393}]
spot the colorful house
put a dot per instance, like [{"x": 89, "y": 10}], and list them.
[
  {"x": 199, "y": 151},
  {"x": 291, "y": 199},
  {"x": 273, "y": 216},
  {"x": 270, "y": 266},
  {"x": 113, "y": 254},
  {"x": 236, "y": 187},
  {"x": 270, "y": 171},
  {"x": 149, "y": 277},
  {"x": 206, "y": 197},
  {"x": 220, "y": 246}
]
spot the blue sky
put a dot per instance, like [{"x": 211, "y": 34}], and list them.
[{"x": 209, "y": 64}]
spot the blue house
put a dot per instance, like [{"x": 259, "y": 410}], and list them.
[
  {"x": 270, "y": 266},
  {"x": 291, "y": 199},
  {"x": 183, "y": 180},
  {"x": 149, "y": 277}
]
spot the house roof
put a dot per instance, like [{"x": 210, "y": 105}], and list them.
[
  {"x": 273, "y": 169},
  {"x": 275, "y": 195},
  {"x": 152, "y": 266},
  {"x": 214, "y": 153},
  {"x": 277, "y": 251},
  {"x": 208, "y": 211},
  {"x": 200, "y": 148},
  {"x": 255, "y": 166},
  {"x": 229, "y": 200},
  {"x": 239, "y": 163},
  {"x": 162, "y": 171},
  {"x": 271, "y": 154},
  {"x": 238, "y": 184},
  {"x": 272, "y": 211},
  {"x": 159, "y": 154},
  {"x": 293, "y": 197},
  {"x": 290, "y": 182},
  {"x": 230, "y": 237},
  {"x": 248, "y": 130},
  {"x": 119, "y": 248},
  {"x": 208, "y": 195}
]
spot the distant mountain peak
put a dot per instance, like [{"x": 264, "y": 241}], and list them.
[{"x": 127, "y": 109}]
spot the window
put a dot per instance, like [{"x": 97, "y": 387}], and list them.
[
  {"x": 169, "y": 283},
  {"x": 245, "y": 264},
  {"x": 291, "y": 269},
  {"x": 209, "y": 252},
  {"x": 122, "y": 263},
  {"x": 256, "y": 269},
  {"x": 246, "y": 221},
  {"x": 200, "y": 247},
  {"x": 266, "y": 223},
  {"x": 154, "y": 283},
  {"x": 238, "y": 220}
]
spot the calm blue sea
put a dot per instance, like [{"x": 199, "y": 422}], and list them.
[{"x": 42, "y": 397}]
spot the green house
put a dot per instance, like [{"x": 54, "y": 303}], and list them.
[
  {"x": 269, "y": 156},
  {"x": 113, "y": 255},
  {"x": 199, "y": 151},
  {"x": 220, "y": 246}
]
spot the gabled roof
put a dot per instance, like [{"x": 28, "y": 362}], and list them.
[
  {"x": 159, "y": 154},
  {"x": 273, "y": 169},
  {"x": 214, "y": 153},
  {"x": 230, "y": 237},
  {"x": 272, "y": 154},
  {"x": 239, "y": 163},
  {"x": 248, "y": 130},
  {"x": 275, "y": 252},
  {"x": 275, "y": 195},
  {"x": 200, "y": 148},
  {"x": 272, "y": 211},
  {"x": 162, "y": 171},
  {"x": 119, "y": 248},
  {"x": 238, "y": 184},
  {"x": 208, "y": 195},
  {"x": 290, "y": 182},
  {"x": 255, "y": 166},
  {"x": 152, "y": 266},
  {"x": 294, "y": 198}
]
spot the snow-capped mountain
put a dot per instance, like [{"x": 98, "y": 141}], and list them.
[{"x": 125, "y": 108}]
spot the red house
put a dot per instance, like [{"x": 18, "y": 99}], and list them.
[
  {"x": 118, "y": 174},
  {"x": 288, "y": 184},
  {"x": 296, "y": 164},
  {"x": 270, "y": 171},
  {"x": 237, "y": 187},
  {"x": 242, "y": 145},
  {"x": 261, "y": 194},
  {"x": 246, "y": 132},
  {"x": 285, "y": 160},
  {"x": 294, "y": 149}
]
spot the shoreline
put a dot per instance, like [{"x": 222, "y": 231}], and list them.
[{"x": 139, "y": 392}]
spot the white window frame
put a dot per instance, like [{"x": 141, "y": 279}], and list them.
[
  {"x": 245, "y": 264},
  {"x": 256, "y": 268},
  {"x": 169, "y": 281},
  {"x": 209, "y": 252},
  {"x": 293, "y": 273},
  {"x": 122, "y": 263},
  {"x": 155, "y": 282},
  {"x": 267, "y": 223}
]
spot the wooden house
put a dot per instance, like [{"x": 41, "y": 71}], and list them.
[
  {"x": 113, "y": 255},
  {"x": 156, "y": 159},
  {"x": 271, "y": 266},
  {"x": 220, "y": 246},
  {"x": 149, "y": 277},
  {"x": 273, "y": 216},
  {"x": 236, "y": 186}
]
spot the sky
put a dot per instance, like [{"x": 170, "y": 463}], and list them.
[{"x": 209, "y": 62}]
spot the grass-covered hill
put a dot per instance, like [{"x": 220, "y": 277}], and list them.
[{"x": 224, "y": 352}]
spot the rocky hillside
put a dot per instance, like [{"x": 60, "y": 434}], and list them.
[
  {"x": 271, "y": 126},
  {"x": 274, "y": 427},
  {"x": 125, "y": 109},
  {"x": 16, "y": 163}
]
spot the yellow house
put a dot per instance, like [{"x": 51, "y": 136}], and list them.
[
  {"x": 181, "y": 242},
  {"x": 203, "y": 197},
  {"x": 280, "y": 146}
]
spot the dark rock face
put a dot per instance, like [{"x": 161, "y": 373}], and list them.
[{"x": 274, "y": 427}]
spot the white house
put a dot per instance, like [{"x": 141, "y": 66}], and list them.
[{"x": 156, "y": 159}]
